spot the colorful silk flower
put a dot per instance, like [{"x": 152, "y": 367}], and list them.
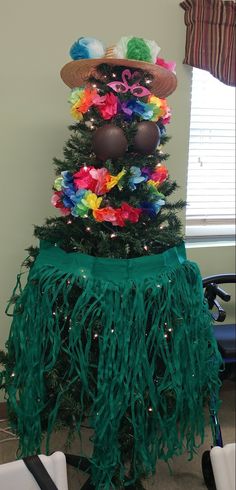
[
  {"x": 159, "y": 175},
  {"x": 155, "y": 179},
  {"x": 118, "y": 216},
  {"x": 136, "y": 177},
  {"x": 78, "y": 193},
  {"x": 152, "y": 208},
  {"x": 169, "y": 65},
  {"x": 108, "y": 105},
  {"x": 81, "y": 100}
]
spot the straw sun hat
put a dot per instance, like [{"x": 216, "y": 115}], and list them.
[{"x": 132, "y": 52}]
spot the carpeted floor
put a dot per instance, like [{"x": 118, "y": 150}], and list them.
[{"x": 186, "y": 475}]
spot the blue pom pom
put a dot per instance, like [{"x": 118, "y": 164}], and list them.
[{"x": 87, "y": 47}]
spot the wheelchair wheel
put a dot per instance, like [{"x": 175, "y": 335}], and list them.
[{"x": 207, "y": 471}]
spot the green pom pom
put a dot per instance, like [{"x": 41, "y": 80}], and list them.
[{"x": 137, "y": 49}]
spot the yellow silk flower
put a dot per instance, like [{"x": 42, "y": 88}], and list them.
[
  {"x": 114, "y": 179},
  {"x": 91, "y": 200},
  {"x": 153, "y": 183},
  {"x": 75, "y": 111}
]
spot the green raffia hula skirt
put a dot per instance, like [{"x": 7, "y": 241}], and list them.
[{"x": 139, "y": 349}]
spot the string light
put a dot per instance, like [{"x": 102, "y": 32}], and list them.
[
  {"x": 113, "y": 235},
  {"x": 113, "y": 75},
  {"x": 145, "y": 247},
  {"x": 69, "y": 222},
  {"x": 88, "y": 228},
  {"x": 150, "y": 409},
  {"x": 112, "y": 330},
  {"x": 12, "y": 375},
  {"x": 95, "y": 336}
]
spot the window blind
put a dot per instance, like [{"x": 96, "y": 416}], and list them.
[{"x": 211, "y": 165}]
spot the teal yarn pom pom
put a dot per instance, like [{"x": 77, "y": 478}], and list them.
[{"x": 87, "y": 47}]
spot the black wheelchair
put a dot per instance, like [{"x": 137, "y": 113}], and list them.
[{"x": 226, "y": 339}]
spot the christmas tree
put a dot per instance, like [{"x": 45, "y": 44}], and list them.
[{"x": 112, "y": 326}]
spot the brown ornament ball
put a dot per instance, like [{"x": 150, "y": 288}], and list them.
[
  {"x": 147, "y": 137},
  {"x": 109, "y": 141}
]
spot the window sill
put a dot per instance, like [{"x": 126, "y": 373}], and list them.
[
  {"x": 208, "y": 242},
  {"x": 210, "y": 235}
]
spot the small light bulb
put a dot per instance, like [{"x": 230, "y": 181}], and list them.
[
  {"x": 94, "y": 85},
  {"x": 112, "y": 330},
  {"x": 69, "y": 222},
  {"x": 88, "y": 228},
  {"x": 145, "y": 247},
  {"x": 95, "y": 336},
  {"x": 113, "y": 235},
  {"x": 150, "y": 409}
]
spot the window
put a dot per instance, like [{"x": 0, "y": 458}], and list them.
[{"x": 211, "y": 166}]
